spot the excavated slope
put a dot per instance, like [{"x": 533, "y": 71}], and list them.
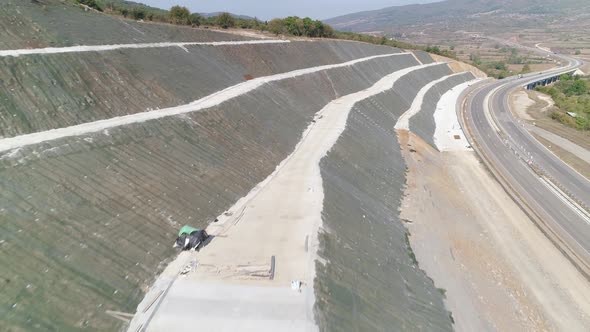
[
  {"x": 57, "y": 23},
  {"x": 87, "y": 221}
]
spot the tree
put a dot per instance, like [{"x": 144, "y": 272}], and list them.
[
  {"x": 310, "y": 29},
  {"x": 500, "y": 65},
  {"x": 565, "y": 77},
  {"x": 328, "y": 31},
  {"x": 196, "y": 19},
  {"x": 503, "y": 74},
  {"x": 138, "y": 13},
  {"x": 580, "y": 87},
  {"x": 125, "y": 12},
  {"x": 322, "y": 30},
  {"x": 225, "y": 20},
  {"x": 180, "y": 15},
  {"x": 294, "y": 25},
  {"x": 433, "y": 49},
  {"x": 276, "y": 26},
  {"x": 526, "y": 69}
]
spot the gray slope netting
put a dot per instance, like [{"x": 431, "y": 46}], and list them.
[
  {"x": 370, "y": 281},
  {"x": 424, "y": 57},
  {"x": 43, "y": 92},
  {"x": 87, "y": 222},
  {"x": 422, "y": 124},
  {"x": 53, "y": 23}
]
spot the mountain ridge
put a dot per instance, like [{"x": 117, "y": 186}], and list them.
[{"x": 480, "y": 12}]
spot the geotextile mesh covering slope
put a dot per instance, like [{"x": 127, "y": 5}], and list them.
[
  {"x": 72, "y": 207},
  {"x": 87, "y": 222},
  {"x": 42, "y": 92},
  {"x": 369, "y": 280},
  {"x": 55, "y": 23},
  {"x": 423, "y": 123}
]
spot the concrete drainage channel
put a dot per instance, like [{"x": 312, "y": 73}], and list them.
[{"x": 141, "y": 320}]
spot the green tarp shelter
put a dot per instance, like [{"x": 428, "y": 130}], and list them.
[{"x": 186, "y": 229}]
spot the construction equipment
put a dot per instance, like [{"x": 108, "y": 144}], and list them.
[{"x": 190, "y": 238}]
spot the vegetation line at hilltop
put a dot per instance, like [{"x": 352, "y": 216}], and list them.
[{"x": 290, "y": 26}]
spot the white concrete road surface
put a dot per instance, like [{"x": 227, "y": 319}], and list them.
[
  {"x": 448, "y": 134},
  {"x": 211, "y": 306}
]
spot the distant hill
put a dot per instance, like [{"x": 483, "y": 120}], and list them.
[{"x": 456, "y": 13}]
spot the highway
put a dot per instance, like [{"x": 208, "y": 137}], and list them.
[{"x": 552, "y": 193}]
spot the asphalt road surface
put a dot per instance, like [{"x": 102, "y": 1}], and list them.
[{"x": 558, "y": 195}]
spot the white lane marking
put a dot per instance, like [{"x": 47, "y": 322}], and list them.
[
  {"x": 565, "y": 198},
  {"x": 102, "y": 48},
  {"x": 404, "y": 120},
  {"x": 448, "y": 134},
  {"x": 486, "y": 109},
  {"x": 203, "y": 103}
]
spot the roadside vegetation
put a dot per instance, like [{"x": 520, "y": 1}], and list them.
[
  {"x": 289, "y": 26},
  {"x": 572, "y": 97}
]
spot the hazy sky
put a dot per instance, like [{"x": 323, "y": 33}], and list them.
[{"x": 267, "y": 9}]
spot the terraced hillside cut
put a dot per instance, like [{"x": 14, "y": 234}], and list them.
[{"x": 105, "y": 154}]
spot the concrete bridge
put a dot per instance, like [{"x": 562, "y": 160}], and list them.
[{"x": 551, "y": 79}]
